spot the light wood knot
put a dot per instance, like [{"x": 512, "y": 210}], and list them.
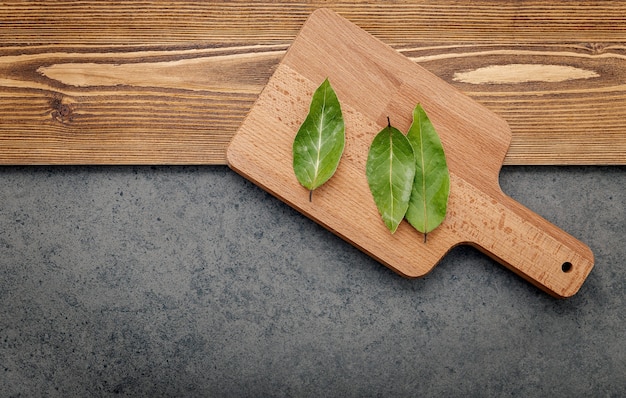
[{"x": 523, "y": 73}]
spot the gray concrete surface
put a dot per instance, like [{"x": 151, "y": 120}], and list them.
[{"x": 192, "y": 282}]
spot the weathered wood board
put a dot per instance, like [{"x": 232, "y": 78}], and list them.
[
  {"x": 374, "y": 82},
  {"x": 161, "y": 82}
]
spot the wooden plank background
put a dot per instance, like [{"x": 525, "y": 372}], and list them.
[{"x": 169, "y": 82}]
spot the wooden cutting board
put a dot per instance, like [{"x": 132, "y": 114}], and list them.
[{"x": 374, "y": 82}]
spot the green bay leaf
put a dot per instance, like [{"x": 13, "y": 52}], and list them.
[
  {"x": 390, "y": 171},
  {"x": 319, "y": 143},
  {"x": 431, "y": 187}
]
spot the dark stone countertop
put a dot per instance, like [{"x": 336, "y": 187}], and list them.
[{"x": 191, "y": 281}]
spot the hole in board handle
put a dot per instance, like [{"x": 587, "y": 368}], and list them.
[{"x": 566, "y": 267}]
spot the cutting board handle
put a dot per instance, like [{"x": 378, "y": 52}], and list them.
[{"x": 523, "y": 241}]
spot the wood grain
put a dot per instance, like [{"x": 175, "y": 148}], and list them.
[
  {"x": 169, "y": 82},
  {"x": 475, "y": 141}
]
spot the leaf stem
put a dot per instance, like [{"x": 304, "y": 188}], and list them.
[
  {"x": 425, "y": 235},
  {"x": 388, "y": 122},
  {"x": 310, "y": 195}
]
